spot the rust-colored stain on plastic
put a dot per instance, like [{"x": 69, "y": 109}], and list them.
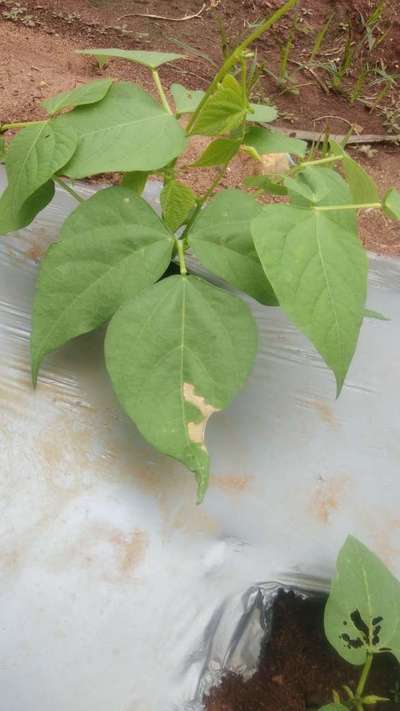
[
  {"x": 232, "y": 483},
  {"x": 327, "y": 497},
  {"x": 132, "y": 548},
  {"x": 326, "y": 414}
]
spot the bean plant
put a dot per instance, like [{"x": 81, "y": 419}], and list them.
[
  {"x": 362, "y": 619},
  {"x": 178, "y": 348}
]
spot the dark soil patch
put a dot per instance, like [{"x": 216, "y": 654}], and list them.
[
  {"x": 298, "y": 668},
  {"x": 38, "y": 39}
]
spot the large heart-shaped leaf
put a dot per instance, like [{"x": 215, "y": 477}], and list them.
[
  {"x": 147, "y": 59},
  {"x": 80, "y": 96},
  {"x": 265, "y": 141},
  {"x": 223, "y": 111},
  {"x": 334, "y": 707},
  {"x": 111, "y": 247},
  {"x": 176, "y": 354},
  {"x": 221, "y": 239},
  {"x": 11, "y": 219},
  {"x": 35, "y": 155},
  {"x": 127, "y": 131},
  {"x": 362, "y": 615},
  {"x": 316, "y": 264},
  {"x": 177, "y": 200}
]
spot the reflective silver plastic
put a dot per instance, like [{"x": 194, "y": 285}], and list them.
[{"x": 117, "y": 593}]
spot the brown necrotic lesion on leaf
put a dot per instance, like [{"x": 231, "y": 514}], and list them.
[{"x": 196, "y": 430}]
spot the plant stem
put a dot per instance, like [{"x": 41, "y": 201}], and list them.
[
  {"x": 236, "y": 54},
  {"x": 161, "y": 91},
  {"x": 69, "y": 190},
  {"x": 181, "y": 254},
  {"x": 320, "y": 161},
  {"x": 364, "y": 676},
  {"x": 202, "y": 200},
  {"x": 9, "y": 126},
  {"x": 324, "y": 208}
]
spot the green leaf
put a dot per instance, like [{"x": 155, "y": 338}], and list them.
[
  {"x": 186, "y": 100},
  {"x": 316, "y": 264},
  {"x": 334, "y": 707},
  {"x": 391, "y": 204},
  {"x": 218, "y": 152},
  {"x": 369, "y": 313},
  {"x": 176, "y": 354},
  {"x": 263, "y": 182},
  {"x": 127, "y": 131},
  {"x": 34, "y": 156},
  {"x": 11, "y": 219},
  {"x": 262, "y": 113},
  {"x": 111, "y": 247},
  {"x": 177, "y": 200},
  {"x": 147, "y": 59},
  {"x": 222, "y": 241},
  {"x": 362, "y": 615},
  {"x": 266, "y": 141},
  {"x": 135, "y": 181},
  {"x": 363, "y": 188},
  {"x": 80, "y": 96},
  {"x": 2, "y": 149},
  {"x": 223, "y": 111}
]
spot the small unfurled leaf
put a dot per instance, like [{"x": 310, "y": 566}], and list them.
[
  {"x": 176, "y": 354},
  {"x": 391, "y": 204},
  {"x": 111, "y": 247},
  {"x": 136, "y": 181},
  {"x": 362, "y": 615},
  {"x": 34, "y": 156},
  {"x": 362, "y": 187},
  {"x": 262, "y": 113},
  {"x": 126, "y": 131},
  {"x": 372, "y": 700},
  {"x": 186, "y": 100},
  {"x": 222, "y": 241},
  {"x": 264, "y": 183},
  {"x": 80, "y": 96},
  {"x": 147, "y": 59},
  {"x": 218, "y": 152},
  {"x": 223, "y": 111},
  {"x": 177, "y": 200},
  {"x": 369, "y": 313},
  {"x": 316, "y": 264},
  {"x": 11, "y": 219},
  {"x": 266, "y": 141}
]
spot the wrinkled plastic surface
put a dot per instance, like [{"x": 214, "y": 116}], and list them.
[{"x": 117, "y": 593}]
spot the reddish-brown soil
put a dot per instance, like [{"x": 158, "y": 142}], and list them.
[
  {"x": 298, "y": 668},
  {"x": 38, "y": 39}
]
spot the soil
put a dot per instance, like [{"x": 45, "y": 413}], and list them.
[
  {"x": 38, "y": 39},
  {"x": 298, "y": 668}
]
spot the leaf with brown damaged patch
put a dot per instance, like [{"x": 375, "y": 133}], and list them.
[{"x": 176, "y": 354}]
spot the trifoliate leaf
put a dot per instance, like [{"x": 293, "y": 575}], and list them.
[
  {"x": 176, "y": 354},
  {"x": 111, "y": 247},
  {"x": 221, "y": 239},
  {"x": 127, "y": 131}
]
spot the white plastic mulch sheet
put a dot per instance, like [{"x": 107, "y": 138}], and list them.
[{"x": 117, "y": 592}]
